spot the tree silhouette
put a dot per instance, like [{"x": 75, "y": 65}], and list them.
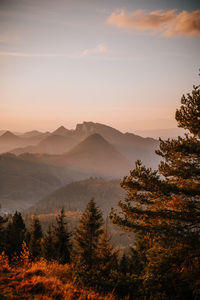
[
  {"x": 35, "y": 238},
  {"x": 86, "y": 238},
  {"x": 61, "y": 239},
  {"x": 162, "y": 208},
  {"x": 15, "y": 234}
]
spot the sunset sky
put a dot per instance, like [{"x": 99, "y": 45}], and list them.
[{"x": 124, "y": 63}]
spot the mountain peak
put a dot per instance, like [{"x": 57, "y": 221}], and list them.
[
  {"x": 32, "y": 133},
  {"x": 9, "y": 135},
  {"x": 94, "y": 141},
  {"x": 87, "y": 128},
  {"x": 61, "y": 128},
  {"x": 61, "y": 131},
  {"x": 95, "y": 155}
]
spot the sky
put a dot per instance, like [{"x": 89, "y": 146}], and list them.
[{"x": 124, "y": 63}]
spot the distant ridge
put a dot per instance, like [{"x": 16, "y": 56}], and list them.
[
  {"x": 8, "y": 140},
  {"x": 35, "y": 133},
  {"x": 95, "y": 155},
  {"x": 52, "y": 144},
  {"x": 9, "y": 136},
  {"x": 129, "y": 145},
  {"x": 74, "y": 196},
  {"x": 61, "y": 131},
  {"x": 23, "y": 182}
]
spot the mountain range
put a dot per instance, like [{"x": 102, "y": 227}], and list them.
[
  {"x": 52, "y": 144},
  {"x": 9, "y": 140},
  {"x": 39, "y": 163},
  {"x": 130, "y": 145},
  {"x": 23, "y": 182}
]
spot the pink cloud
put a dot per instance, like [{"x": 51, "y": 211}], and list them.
[
  {"x": 167, "y": 23},
  {"x": 99, "y": 49}
]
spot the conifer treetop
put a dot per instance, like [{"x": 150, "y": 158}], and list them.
[{"x": 188, "y": 116}]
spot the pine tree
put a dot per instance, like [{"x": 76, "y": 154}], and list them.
[
  {"x": 2, "y": 233},
  {"x": 47, "y": 245},
  {"x": 61, "y": 239},
  {"x": 35, "y": 238},
  {"x": 106, "y": 263},
  {"x": 15, "y": 235},
  {"x": 86, "y": 238},
  {"x": 163, "y": 209},
  {"x": 188, "y": 116}
]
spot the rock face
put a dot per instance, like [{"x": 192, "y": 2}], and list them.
[{"x": 87, "y": 128}]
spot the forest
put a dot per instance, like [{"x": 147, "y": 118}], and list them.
[{"x": 161, "y": 211}]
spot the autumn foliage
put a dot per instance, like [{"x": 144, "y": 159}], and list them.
[{"x": 26, "y": 279}]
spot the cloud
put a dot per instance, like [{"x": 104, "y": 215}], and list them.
[
  {"x": 23, "y": 54},
  {"x": 167, "y": 23},
  {"x": 99, "y": 49}
]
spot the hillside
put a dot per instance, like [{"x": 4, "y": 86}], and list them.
[
  {"x": 75, "y": 196},
  {"x": 62, "y": 131},
  {"x": 96, "y": 156},
  {"x": 52, "y": 144},
  {"x": 35, "y": 133},
  {"x": 10, "y": 141},
  {"x": 130, "y": 145},
  {"x": 42, "y": 280},
  {"x": 24, "y": 182}
]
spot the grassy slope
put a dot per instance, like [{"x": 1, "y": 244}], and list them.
[{"x": 40, "y": 280}]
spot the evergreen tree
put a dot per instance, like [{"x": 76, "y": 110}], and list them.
[
  {"x": 86, "y": 238},
  {"x": 2, "y": 233},
  {"x": 47, "y": 245},
  {"x": 106, "y": 266},
  {"x": 188, "y": 115},
  {"x": 163, "y": 209},
  {"x": 35, "y": 238},
  {"x": 15, "y": 235},
  {"x": 61, "y": 239}
]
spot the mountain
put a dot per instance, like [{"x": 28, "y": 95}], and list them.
[
  {"x": 52, "y": 144},
  {"x": 96, "y": 156},
  {"x": 9, "y": 137},
  {"x": 8, "y": 140},
  {"x": 130, "y": 145},
  {"x": 76, "y": 195},
  {"x": 2, "y": 132},
  {"x": 35, "y": 134},
  {"x": 32, "y": 133},
  {"x": 23, "y": 182},
  {"x": 61, "y": 131}
]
